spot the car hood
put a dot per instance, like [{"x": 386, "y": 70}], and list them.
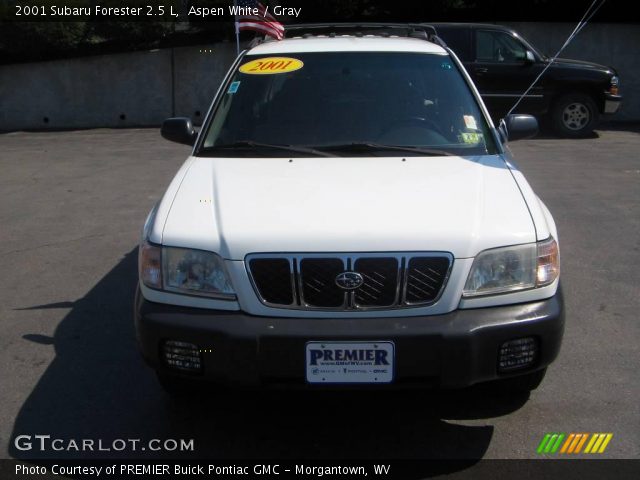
[
  {"x": 581, "y": 64},
  {"x": 237, "y": 206}
]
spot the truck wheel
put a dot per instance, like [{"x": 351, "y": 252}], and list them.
[
  {"x": 523, "y": 383},
  {"x": 574, "y": 115}
]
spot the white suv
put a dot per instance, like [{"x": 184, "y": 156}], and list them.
[{"x": 349, "y": 215}]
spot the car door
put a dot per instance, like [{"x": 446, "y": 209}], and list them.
[{"x": 503, "y": 69}]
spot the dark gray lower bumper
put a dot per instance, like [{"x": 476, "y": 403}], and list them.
[{"x": 452, "y": 350}]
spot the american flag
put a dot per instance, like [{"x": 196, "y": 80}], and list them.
[{"x": 263, "y": 22}]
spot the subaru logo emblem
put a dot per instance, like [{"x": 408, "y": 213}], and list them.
[{"x": 349, "y": 280}]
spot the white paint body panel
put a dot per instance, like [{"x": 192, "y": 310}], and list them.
[
  {"x": 238, "y": 206},
  {"x": 542, "y": 219}
]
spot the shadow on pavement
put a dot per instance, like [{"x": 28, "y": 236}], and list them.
[
  {"x": 547, "y": 133},
  {"x": 623, "y": 126},
  {"x": 98, "y": 387}
]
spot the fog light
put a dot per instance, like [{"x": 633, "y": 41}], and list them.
[
  {"x": 517, "y": 354},
  {"x": 182, "y": 355}
]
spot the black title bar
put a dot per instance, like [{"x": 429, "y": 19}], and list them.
[{"x": 119, "y": 469}]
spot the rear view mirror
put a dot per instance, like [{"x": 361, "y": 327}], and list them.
[
  {"x": 530, "y": 57},
  {"x": 179, "y": 130},
  {"x": 518, "y": 127}
]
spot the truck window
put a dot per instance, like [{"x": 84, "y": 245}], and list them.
[
  {"x": 499, "y": 47},
  {"x": 458, "y": 40}
]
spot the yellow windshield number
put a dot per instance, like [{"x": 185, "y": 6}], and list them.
[{"x": 271, "y": 66}]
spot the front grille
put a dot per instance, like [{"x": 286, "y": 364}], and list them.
[
  {"x": 425, "y": 276},
  {"x": 318, "y": 285},
  {"x": 272, "y": 276},
  {"x": 380, "y": 287},
  {"x": 388, "y": 281}
]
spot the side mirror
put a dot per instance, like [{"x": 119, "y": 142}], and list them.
[
  {"x": 179, "y": 130},
  {"x": 529, "y": 57},
  {"x": 518, "y": 127}
]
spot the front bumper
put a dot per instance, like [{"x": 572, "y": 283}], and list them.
[
  {"x": 612, "y": 103},
  {"x": 452, "y": 350}
]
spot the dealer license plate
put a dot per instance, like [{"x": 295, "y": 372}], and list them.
[{"x": 350, "y": 362}]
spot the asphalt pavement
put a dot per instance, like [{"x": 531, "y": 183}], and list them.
[{"x": 71, "y": 208}]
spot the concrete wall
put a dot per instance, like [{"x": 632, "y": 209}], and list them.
[
  {"x": 146, "y": 87},
  {"x": 198, "y": 76},
  {"x": 132, "y": 89},
  {"x": 614, "y": 45}
]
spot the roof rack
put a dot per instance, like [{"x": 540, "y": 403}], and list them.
[{"x": 411, "y": 30}]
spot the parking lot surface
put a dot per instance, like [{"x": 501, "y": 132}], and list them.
[{"x": 71, "y": 208}]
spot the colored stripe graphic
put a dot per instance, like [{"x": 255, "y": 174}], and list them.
[
  {"x": 581, "y": 442},
  {"x": 550, "y": 443},
  {"x": 543, "y": 443},
  {"x": 596, "y": 445},
  {"x": 555, "y": 443},
  {"x": 590, "y": 444},
  {"x": 574, "y": 444},
  {"x": 567, "y": 443},
  {"x": 598, "y": 442},
  {"x": 607, "y": 439},
  {"x": 555, "y": 447}
]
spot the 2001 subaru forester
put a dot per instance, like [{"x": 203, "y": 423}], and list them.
[{"x": 349, "y": 215}]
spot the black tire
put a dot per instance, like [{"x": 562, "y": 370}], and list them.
[
  {"x": 522, "y": 383},
  {"x": 574, "y": 115}
]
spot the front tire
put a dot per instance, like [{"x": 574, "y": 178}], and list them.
[{"x": 574, "y": 115}]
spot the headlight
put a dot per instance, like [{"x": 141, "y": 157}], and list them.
[
  {"x": 510, "y": 269},
  {"x": 615, "y": 85},
  {"x": 193, "y": 272}
]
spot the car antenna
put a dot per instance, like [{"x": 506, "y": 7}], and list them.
[{"x": 581, "y": 24}]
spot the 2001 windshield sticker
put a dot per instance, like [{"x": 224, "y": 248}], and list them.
[{"x": 271, "y": 66}]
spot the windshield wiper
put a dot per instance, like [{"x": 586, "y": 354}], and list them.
[
  {"x": 252, "y": 144},
  {"x": 368, "y": 146}
]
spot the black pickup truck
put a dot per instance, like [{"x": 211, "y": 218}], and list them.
[{"x": 571, "y": 95}]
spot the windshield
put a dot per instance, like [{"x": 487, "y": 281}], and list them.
[{"x": 347, "y": 103}]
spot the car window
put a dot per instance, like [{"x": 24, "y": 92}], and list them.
[
  {"x": 341, "y": 98},
  {"x": 499, "y": 47},
  {"x": 459, "y": 40}
]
